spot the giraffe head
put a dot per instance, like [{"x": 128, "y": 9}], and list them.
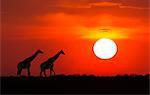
[
  {"x": 62, "y": 52},
  {"x": 39, "y": 51}
]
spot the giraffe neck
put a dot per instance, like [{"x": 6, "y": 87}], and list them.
[
  {"x": 55, "y": 57},
  {"x": 33, "y": 56}
]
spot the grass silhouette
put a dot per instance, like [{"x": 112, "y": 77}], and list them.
[{"x": 137, "y": 84}]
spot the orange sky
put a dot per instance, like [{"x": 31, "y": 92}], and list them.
[{"x": 74, "y": 26}]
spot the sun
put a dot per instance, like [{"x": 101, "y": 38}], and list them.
[{"x": 105, "y": 48}]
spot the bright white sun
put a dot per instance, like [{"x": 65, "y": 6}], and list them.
[{"x": 105, "y": 48}]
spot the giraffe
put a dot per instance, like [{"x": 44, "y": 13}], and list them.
[
  {"x": 25, "y": 64},
  {"x": 48, "y": 64}
]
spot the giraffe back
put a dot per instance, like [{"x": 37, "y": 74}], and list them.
[{"x": 47, "y": 64}]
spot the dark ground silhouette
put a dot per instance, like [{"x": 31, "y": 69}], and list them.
[{"x": 59, "y": 84}]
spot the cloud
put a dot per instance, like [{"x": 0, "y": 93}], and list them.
[
  {"x": 106, "y": 4},
  {"x": 30, "y": 8},
  {"x": 25, "y": 11}
]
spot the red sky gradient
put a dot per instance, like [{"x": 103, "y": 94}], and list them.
[{"x": 74, "y": 26}]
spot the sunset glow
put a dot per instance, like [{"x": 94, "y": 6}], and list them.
[
  {"x": 74, "y": 26},
  {"x": 112, "y": 34}
]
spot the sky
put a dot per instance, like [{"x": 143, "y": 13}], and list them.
[{"x": 74, "y": 26}]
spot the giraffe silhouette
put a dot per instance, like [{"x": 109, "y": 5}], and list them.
[
  {"x": 48, "y": 64},
  {"x": 25, "y": 64}
]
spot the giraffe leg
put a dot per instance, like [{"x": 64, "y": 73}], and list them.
[
  {"x": 19, "y": 72},
  {"x": 53, "y": 72},
  {"x": 41, "y": 73},
  {"x": 28, "y": 71},
  {"x": 45, "y": 73},
  {"x": 50, "y": 72}
]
